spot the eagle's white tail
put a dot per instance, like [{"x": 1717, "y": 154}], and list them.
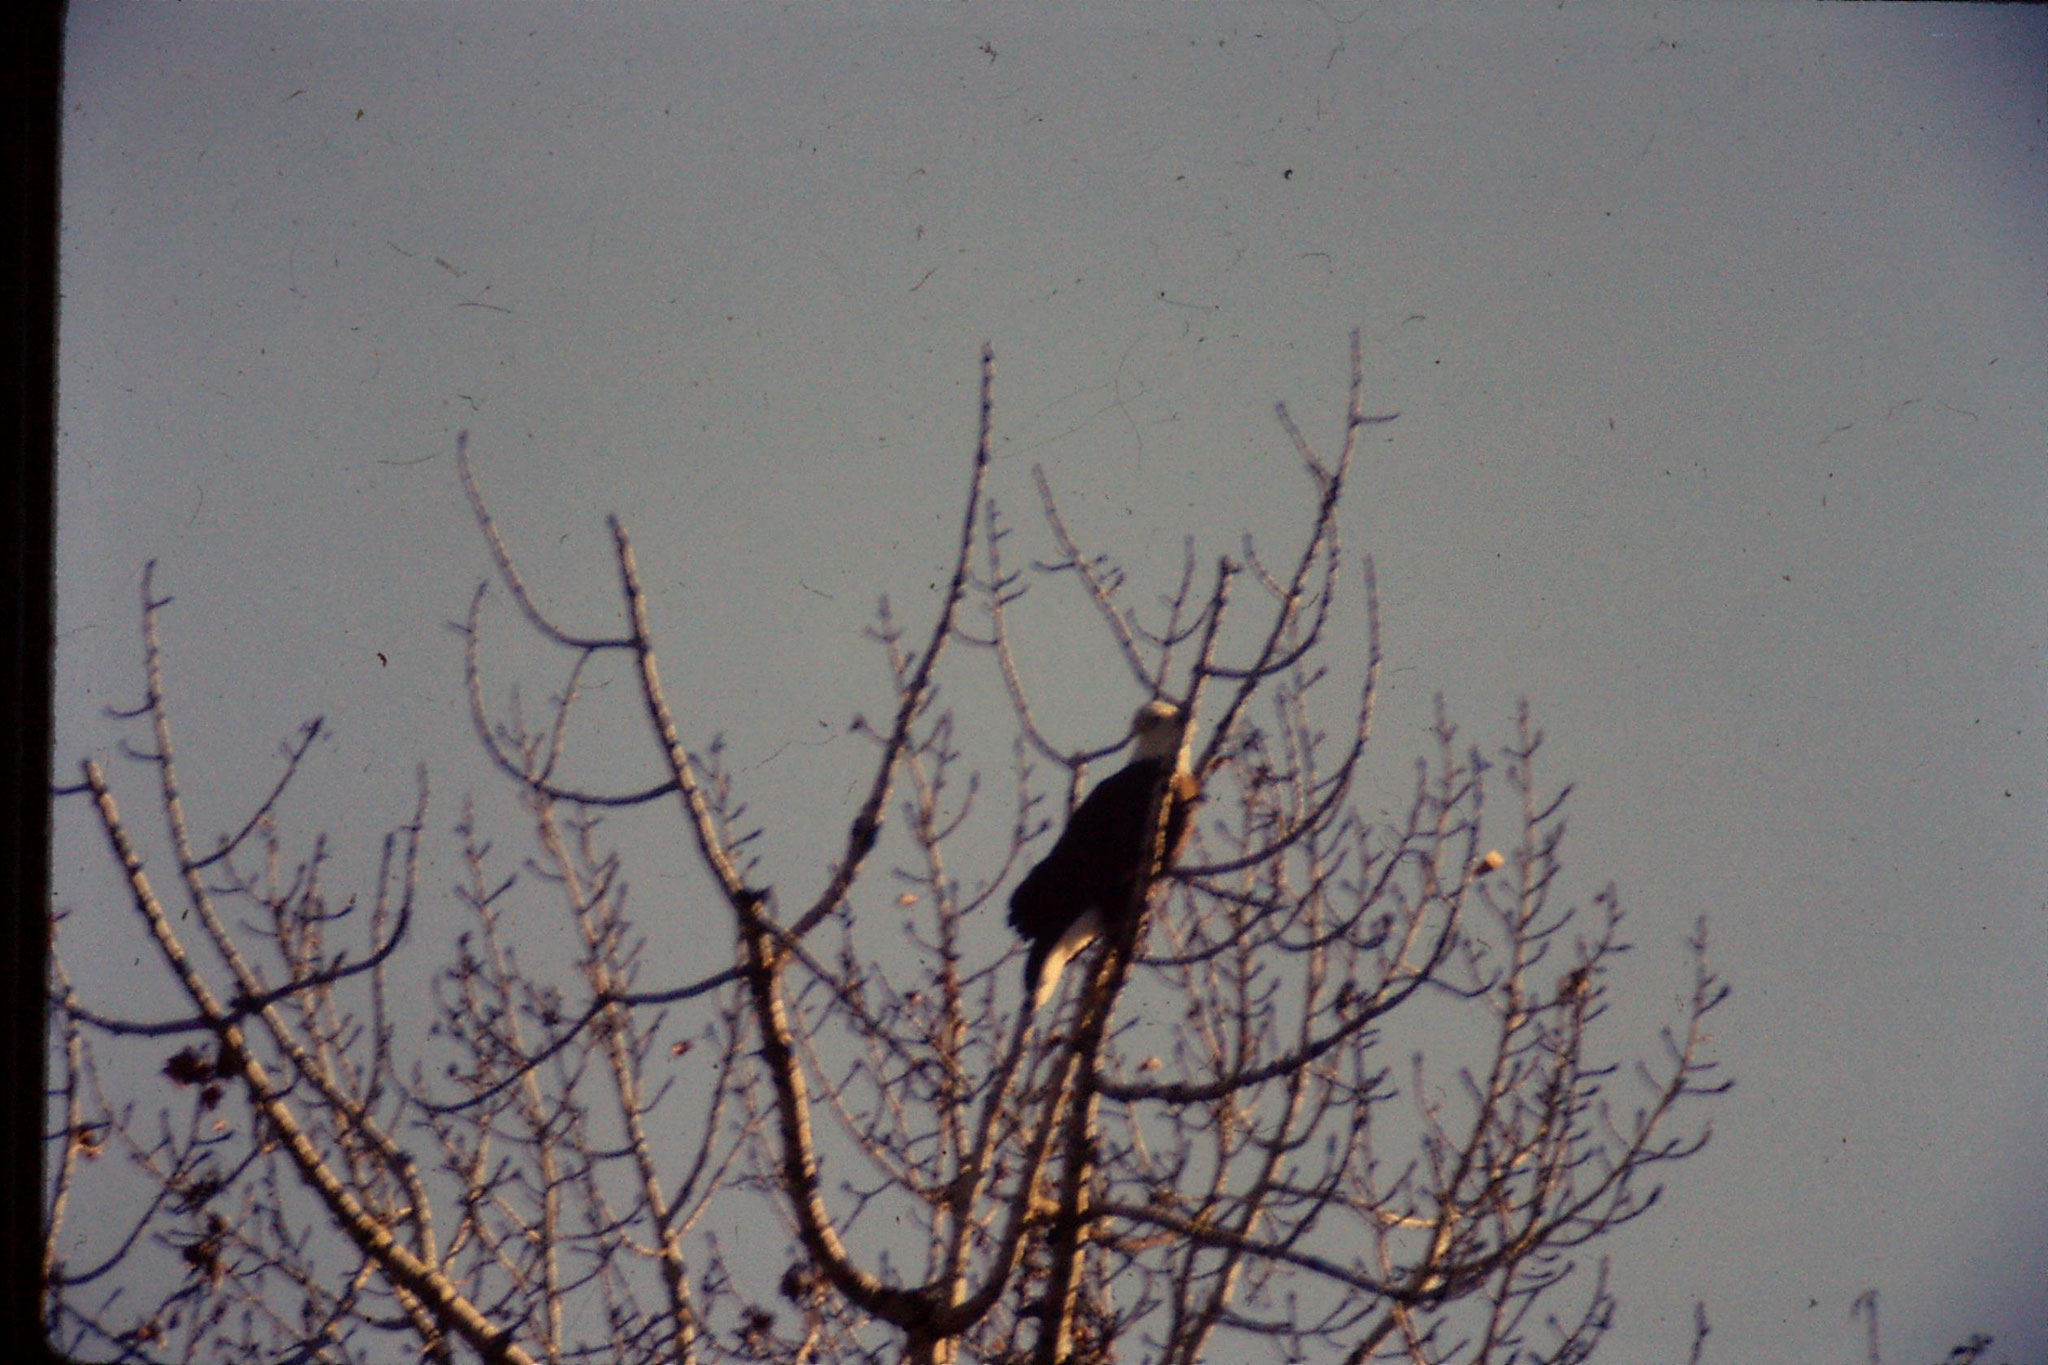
[{"x": 1079, "y": 935}]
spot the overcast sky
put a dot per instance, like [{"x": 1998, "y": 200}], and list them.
[{"x": 1719, "y": 336}]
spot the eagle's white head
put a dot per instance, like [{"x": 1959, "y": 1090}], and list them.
[{"x": 1159, "y": 731}]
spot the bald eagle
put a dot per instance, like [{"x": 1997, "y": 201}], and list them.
[{"x": 1091, "y": 873}]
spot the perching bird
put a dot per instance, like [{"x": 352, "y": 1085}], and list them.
[{"x": 1089, "y": 876}]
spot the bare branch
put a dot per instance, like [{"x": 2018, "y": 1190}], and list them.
[{"x": 1337, "y": 1087}]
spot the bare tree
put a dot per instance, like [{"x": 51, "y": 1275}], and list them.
[{"x": 1216, "y": 1147}]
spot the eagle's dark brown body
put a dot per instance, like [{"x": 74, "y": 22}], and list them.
[{"x": 1089, "y": 876}]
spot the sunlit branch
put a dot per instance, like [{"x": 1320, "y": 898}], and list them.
[{"x": 416, "y": 1275}]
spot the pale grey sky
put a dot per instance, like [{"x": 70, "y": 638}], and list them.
[{"x": 1719, "y": 335}]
